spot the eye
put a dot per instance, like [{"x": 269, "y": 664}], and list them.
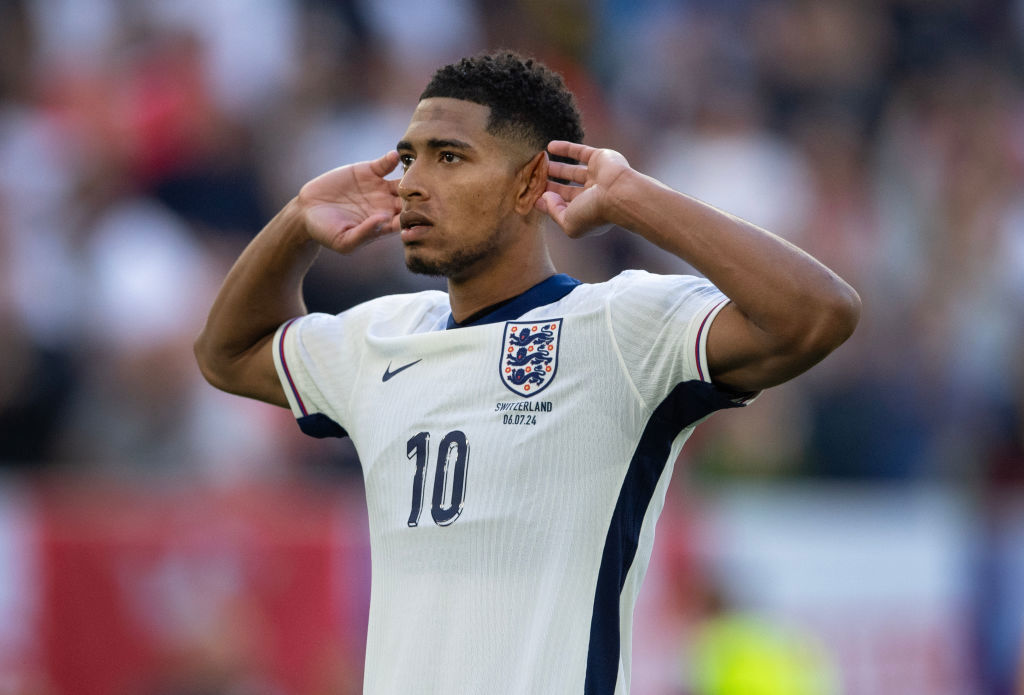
[
  {"x": 405, "y": 160},
  {"x": 450, "y": 157}
]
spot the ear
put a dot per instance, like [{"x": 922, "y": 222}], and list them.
[{"x": 531, "y": 183}]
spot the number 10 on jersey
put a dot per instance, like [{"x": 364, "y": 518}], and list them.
[{"x": 449, "y": 476}]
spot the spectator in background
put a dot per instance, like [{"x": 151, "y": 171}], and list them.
[{"x": 742, "y": 653}]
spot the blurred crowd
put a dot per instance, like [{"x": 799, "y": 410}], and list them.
[{"x": 144, "y": 142}]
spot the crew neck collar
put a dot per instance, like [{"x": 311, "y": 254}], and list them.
[{"x": 545, "y": 292}]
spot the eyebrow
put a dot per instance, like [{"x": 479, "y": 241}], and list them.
[{"x": 437, "y": 144}]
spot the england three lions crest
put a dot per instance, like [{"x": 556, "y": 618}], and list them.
[{"x": 529, "y": 355}]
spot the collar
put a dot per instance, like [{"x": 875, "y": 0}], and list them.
[{"x": 544, "y": 292}]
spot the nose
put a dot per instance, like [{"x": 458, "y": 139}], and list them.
[{"x": 411, "y": 185}]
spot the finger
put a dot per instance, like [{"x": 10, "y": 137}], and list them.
[
  {"x": 541, "y": 204},
  {"x": 572, "y": 150},
  {"x": 564, "y": 191},
  {"x": 373, "y": 227},
  {"x": 381, "y": 224},
  {"x": 569, "y": 172},
  {"x": 385, "y": 165},
  {"x": 553, "y": 205}
]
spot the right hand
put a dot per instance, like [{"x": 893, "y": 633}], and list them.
[{"x": 352, "y": 205}]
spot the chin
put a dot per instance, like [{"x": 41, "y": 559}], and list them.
[
  {"x": 416, "y": 263},
  {"x": 457, "y": 264}
]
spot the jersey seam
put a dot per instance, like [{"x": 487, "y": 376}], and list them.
[
  {"x": 618, "y": 354},
  {"x": 363, "y": 354}
]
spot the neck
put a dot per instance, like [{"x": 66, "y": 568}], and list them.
[{"x": 501, "y": 279}]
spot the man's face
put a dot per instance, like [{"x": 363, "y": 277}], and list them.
[{"x": 458, "y": 189}]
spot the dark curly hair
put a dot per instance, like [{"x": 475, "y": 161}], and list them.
[{"x": 529, "y": 102}]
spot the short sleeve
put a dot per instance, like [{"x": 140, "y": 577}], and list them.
[
  {"x": 313, "y": 385},
  {"x": 660, "y": 324},
  {"x": 319, "y": 356}
]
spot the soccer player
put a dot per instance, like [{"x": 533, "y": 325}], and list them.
[{"x": 516, "y": 433}]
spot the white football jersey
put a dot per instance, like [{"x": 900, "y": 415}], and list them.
[{"x": 514, "y": 467}]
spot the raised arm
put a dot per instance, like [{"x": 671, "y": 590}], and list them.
[
  {"x": 787, "y": 310},
  {"x": 341, "y": 210}
]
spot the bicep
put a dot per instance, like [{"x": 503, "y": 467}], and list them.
[
  {"x": 745, "y": 358},
  {"x": 262, "y": 376}
]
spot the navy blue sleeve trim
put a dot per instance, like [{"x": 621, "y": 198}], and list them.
[
  {"x": 320, "y": 426},
  {"x": 686, "y": 404}
]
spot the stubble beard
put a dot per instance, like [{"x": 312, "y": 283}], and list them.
[{"x": 455, "y": 264}]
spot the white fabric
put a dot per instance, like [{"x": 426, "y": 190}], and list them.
[{"x": 500, "y": 599}]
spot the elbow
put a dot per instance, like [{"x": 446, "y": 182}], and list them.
[
  {"x": 209, "y": 366},
  {"x": 248, "y": 372},
  {"x": 813, "y": 327},
  {"x": 845, "y": 311},
  {"x": 833, "y": 322}
]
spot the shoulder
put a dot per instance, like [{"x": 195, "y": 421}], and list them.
[
  {"x": 645, "y": 286},
  {"x": 391, "y": 314},
  {"x": 412, "y": 305}
]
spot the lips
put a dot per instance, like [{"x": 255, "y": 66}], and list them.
[
  {"x": 415, "y": 225},
  {"x": 411, "y": 219}
]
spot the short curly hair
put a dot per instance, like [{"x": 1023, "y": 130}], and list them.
[{"x": 529, "y": 102}]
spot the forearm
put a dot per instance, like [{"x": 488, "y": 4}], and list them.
[
  {"x": 783, "y": 291},
  {"x": 261, "y": 291}
]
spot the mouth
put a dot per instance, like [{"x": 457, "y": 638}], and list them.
[{"x": 414, "y": 225}]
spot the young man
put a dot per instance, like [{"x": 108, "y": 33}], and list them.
[{"x": 516, "y": 433}]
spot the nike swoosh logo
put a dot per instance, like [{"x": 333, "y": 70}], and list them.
[{"x": 388, "y": 373}]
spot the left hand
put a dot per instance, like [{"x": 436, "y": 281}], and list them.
[{"x": 583, "y": 208}]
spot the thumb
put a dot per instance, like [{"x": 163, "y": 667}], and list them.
[{"x": 553, "y": 205}]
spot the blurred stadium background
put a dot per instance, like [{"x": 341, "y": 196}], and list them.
[{"x": 858, "y": 531}]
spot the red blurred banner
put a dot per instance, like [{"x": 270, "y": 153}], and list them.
[{"x": 184, "y": 590}]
